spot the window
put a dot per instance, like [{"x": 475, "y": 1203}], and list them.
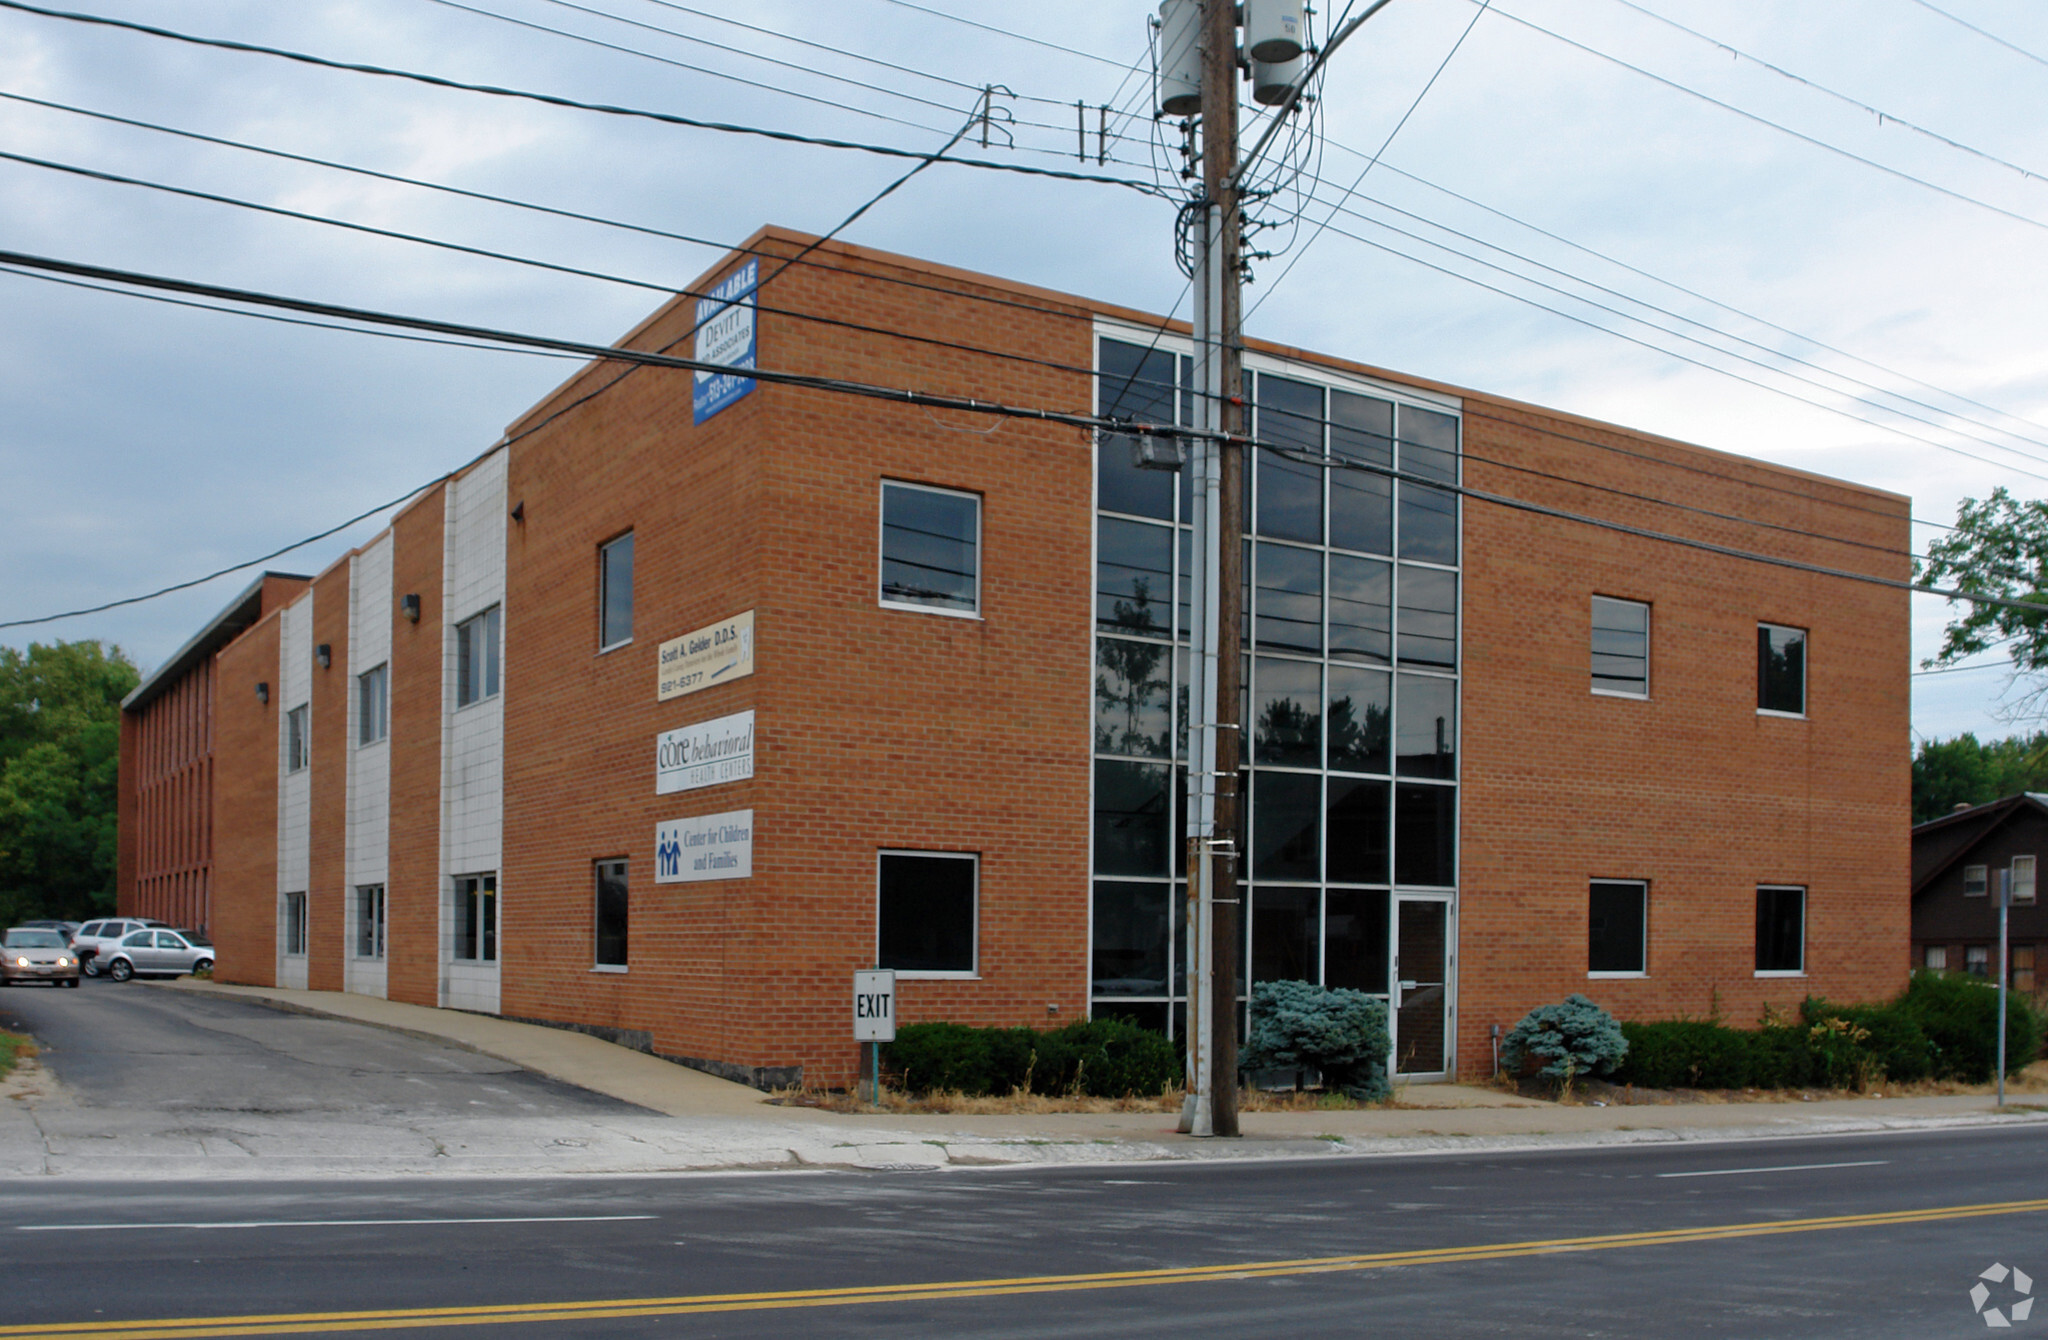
[
  {"x": 373, "y": 705},
  {"x": 1977, "y": 960},
  {"x": 1617, "y": 926},
  {"x": 1621, "y": 647},
  {"x": 476, "y": 658},
  {"x": 297, "y": 746},
  {"x": 1780, "y": 930},
  {"x": 1937, "y": 957},
  {"x": 925, "y": 913},
  {"x": 611, "y": 915},
  {"x": 295, "y": 923},
  {"x": 931, "y": 547},
  {"x": 1974, "y": 881},
  {"x": 476, "y": 918},
  {"x": 370, "y": 921},
  {"x": 1780, "y": 670},
  {"x": 615, "y": 593},
  {"x": 2023, "y": 879},
  {"x": 2023, "y": 968}
]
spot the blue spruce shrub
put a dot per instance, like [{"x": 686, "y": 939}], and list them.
[
  {"x": 1341, "y": 1033},
  {"x": 1573, "y": 1038}
]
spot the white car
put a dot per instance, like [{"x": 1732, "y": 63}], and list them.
[
  {"x": 96, "y": 937},
  {"x": 154, "y": 951}
]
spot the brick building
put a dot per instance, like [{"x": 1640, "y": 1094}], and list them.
[
  {"x": 673, "y": 710},
  {"x": 1956, "y": 860}
]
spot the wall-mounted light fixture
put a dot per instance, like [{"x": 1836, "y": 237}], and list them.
[
  {"x": 519, "y": 510},
  {"x": 409, "y": 606},
  {"x": 263, "y": 692},
  {"x": 324, "y": 653}
]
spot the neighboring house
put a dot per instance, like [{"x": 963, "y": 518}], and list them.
[
  {"x": 1955, "y": 861},
  {"x": 670, "y": 712}
]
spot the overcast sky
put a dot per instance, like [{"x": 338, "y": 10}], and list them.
[{"x": 143, "y": 444}]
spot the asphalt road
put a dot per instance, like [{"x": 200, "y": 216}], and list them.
[
  {"x": 126, "y": 1045},
  {"x": 1905, "y": 1233}
]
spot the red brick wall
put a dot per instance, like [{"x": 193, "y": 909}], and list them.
[
  {"x": 245, "y": 808},
  {"x": 1691, "y": 790},
  {"x": 413, "y": 891},
  {"x": 327, "y": 871}
]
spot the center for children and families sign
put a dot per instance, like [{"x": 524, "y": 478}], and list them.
[
  {"x": 725, "y": 336},
  {"x": 708, "y": 846}
]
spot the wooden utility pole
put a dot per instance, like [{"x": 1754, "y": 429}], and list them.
[{"x": 1225, "y": 315}]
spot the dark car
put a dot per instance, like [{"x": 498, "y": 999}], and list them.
[{"x": 37, "y": 954}]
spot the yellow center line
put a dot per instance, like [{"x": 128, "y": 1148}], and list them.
[{"x": 309, "y": 1323}]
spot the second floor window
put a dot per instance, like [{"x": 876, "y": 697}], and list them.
[
  {"x": 297, "y": 743},
  {"x": 1780, "y": 670},
  {"x": 1621, "y": 647},
  {"x": 615, "y": 593},
  {"x": 373, "y": 705},
  {"x": 931, "y": 548},
  {"x": 2023, "y": 879},
  {"x": 476, "y": 658}
]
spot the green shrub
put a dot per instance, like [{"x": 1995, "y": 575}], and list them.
[
  {"x": 1102, "y": 1058},
  {"x": 1893, "y": 1044},
  {"x": 1780, "y": 1057},
  {"x": 1341, "y": 1033},
  {"x": 1685, "y": 1054},
  {"x": 1958, "y": 1015},
  {"x": 1574, "y": 1037}
]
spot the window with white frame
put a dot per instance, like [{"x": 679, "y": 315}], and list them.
[
  {"x": 476, "y": 918},
  {"x": 1780, "y": 670},
  {"x": 1621, "y": 647},
  {"x": 1977, "y": 960},
  {"x": 611, "y": 916},
  {"x": 931, "y": 549},
  {"x": 373, "y": 705},
  {"x": 1975, "y": 881},
  {"x": 476, "y": 657},
  {"x": 2023, "y": 879},
  {"x": 1617, "y": 928},
  {"x": 1780, "y": 930},
  {"x": 615, "y": 593},
  {"x": 294, "y": 923},
  {"x": 925, "y": 913},
  {"x": 298, "y": 744},
  {"x": 370, "y": 921},
  {"x": 1936, "y": 957}
]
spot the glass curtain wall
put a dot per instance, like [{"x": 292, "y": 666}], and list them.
[{"x": 1351, "y": 697}]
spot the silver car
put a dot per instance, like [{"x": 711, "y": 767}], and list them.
[
  {"x": 36, "y": 954},
  {"x": 155, "y": 951},
  {"x": 96, "y": 938}
]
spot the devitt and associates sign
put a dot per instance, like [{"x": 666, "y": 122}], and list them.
[
  {"x": 707, "y": 846},
  {"x": 710, "y": 752},
  {"x": 714, "y": 654},
  {"x": 725, "y": 335}
]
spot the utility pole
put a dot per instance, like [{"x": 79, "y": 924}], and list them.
[
  {"x": 2004, "y": 890},
  {"x": 1225, "y": 393}
]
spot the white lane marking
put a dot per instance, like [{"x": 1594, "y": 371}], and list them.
[
  {"x": 1787, "y": 1167},
  {"x": 336, "y": 1223}
]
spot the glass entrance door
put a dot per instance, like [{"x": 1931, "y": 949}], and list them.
[{"x": 1421, "y": 986}]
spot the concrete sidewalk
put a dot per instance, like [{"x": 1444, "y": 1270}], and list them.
[{"x": 744, "y": 1129}]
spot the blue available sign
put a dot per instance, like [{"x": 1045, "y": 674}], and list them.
[{"x": 725, "y": 335}]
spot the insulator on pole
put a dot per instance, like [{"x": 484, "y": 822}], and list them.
[
  {"x": 1274, "y": 31},
  {"x": 1180, "y": 57},
  {"x": 1272, "y": 81}
]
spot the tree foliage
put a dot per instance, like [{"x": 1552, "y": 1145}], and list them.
[
  {"x": 1962, "y": 771},
  {"x": 1998, "y": 548},
  {"x": 60, "y": 753}
]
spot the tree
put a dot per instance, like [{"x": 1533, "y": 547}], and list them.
[
  {"x": 1948, "y": 773},
  {"x": 1998, "y": 548},
  {"x": 60, "y": 753}
]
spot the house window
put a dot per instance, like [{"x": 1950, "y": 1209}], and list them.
[
  {"x": 931, "y": 549},
  {"x": 615, "y": 593},
  {"x": 295, "y": 923},
  {"x": 476, "y": 918},
  {"x": 1977, "y": 960},
  {"x": 2023, "y": 879},
  {"x": 611, "y": 915},
  {"x": 297, "y": 744},
  {"x": 1937, "y": 958},
  {"x": 370, "y": 921},
  {"x": 373, "y": 705},
  {"x": 1621, "y": 647},
  {"x": 925, "y": 913},
  {"x": 1780, "y": 670},
  {"x": 476, "y": 658},
  {"x": 1780, "y": 929},
  {"x": 1617, "y": 926},
  {"x": 1974, "y": 881},
  {"x": 2023, "y": 968}
]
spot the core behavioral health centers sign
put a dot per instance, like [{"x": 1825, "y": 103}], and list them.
[{"x": 725, "y": 336}]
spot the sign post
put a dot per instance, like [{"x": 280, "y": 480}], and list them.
[
  {"x": 2003, "y": 891},
  {"x": 874, "y": 1020}
]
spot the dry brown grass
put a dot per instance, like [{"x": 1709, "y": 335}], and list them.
[
  {"x": 12, "y": 1047},
  {"x": 2031, "y": 1081},
  {"x": 1033, "y": 1104}
]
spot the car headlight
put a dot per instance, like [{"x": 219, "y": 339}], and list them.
[
  {"x": 21, "y": 963},
  {"x": 63, "y": 962}
]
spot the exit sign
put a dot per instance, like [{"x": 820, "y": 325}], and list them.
[{"x": 874, "y": 1006}]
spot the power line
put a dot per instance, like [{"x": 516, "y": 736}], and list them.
[
  {"x": 557, "y": 100},
  {"x": 1983, "y": 33},
  {"x": 1882, "y": 115},
  {"x": 1782, "y": 129},
  {"x": 1004, "y": 32}
]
